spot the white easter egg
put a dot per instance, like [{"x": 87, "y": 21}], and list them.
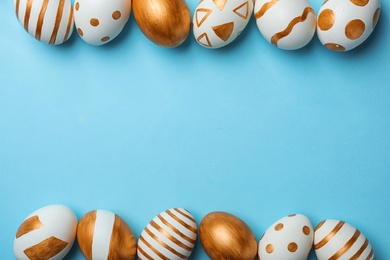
[
  {"x": 335, "y": 239},
  {"x": 102, "y": 234},
  {"x": 99, "y": 22},
  {"x": 216, "y": 23},
  {"x": 287, "y": 24},
  {"x": 169, "y": 235},
  {"x": 47, "y": 233},
  {"x": 289, "y": 238},
  {"x": 345, "y": 24},
  {"x": 48, "y": 21}
]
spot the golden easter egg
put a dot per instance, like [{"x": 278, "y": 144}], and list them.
[
  {"x": 225, "y": 236},
  {"x": 165, "y": 22}
]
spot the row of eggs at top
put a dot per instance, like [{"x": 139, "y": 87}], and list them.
[
  {"x": 288, "y": 24},
  {"x": 49, "y": 233}
]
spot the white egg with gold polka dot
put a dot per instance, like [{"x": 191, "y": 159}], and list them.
[
  {"x": 289, "y": 238},
  {"x": 216, "y": 23},
  {"x": 345, "y": 24},
  {"x": 99, "y": 22}
]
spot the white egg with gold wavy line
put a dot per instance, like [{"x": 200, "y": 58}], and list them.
[
  {"x": 169, "y": 235},
  {"x": 216, "y": 23},
  {"x": 47, "y": 233},
  {"x": 345, "y": 24},
  {"x": 286, "y": 24},
  {"x": 335, "y": 239},
  {"x": 48, "y": 21}
]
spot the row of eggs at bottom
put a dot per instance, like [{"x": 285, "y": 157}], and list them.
[
  {"x": 49, "y": 233},
  {"x": 288, "y": 24}
]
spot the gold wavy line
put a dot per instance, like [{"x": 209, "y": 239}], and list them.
[
  {"x": 265, "y": 8},
  {"x": 360, "y": 251},
  {"x": 27, "y": 14},
  {"x": 169, "y": 236},
  {"x": 144, "y": 253},
  {"x": 347, "y": 246},
  {"x": 174, "y": 229},
  {"x": 38, "y": 30},
  {"x": 184, "y": 214},
  {"x": 329, "y": 236},
  {"x": 290, "y": 26},
  {"x": 189, "y": 227},
  {"x": 163, "y": 257},
  {"x": 163, "y": 244},
  {"x": 370, "y": 255},
  {"x": 57, "y": 22},
  {"x": 69, "y": 24}
]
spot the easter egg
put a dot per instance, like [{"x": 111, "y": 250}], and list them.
[
  {"x": 287, "y": 24},
  {"x": 164, "y": 22},
  {"x": 289, "y": 238},
  {"x": 48, "y": 21},
  {"x": 102, "y": 234},
  {"x": 169, "y": 235},
  {"x": 47, "y": 233},
  {"x": 345, "y": 24},
  {"x": 216, "y": 23},
  {"x": 99, "y": 22},
  {"x": 335, "y": 239},
  {"x": 225, "y": 236}
]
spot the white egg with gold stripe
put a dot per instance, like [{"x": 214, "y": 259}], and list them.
[
  {"x": 48, "y": 21},
  {"x": 335, "y": 239},
  {"x": 47, "y": 233},
  {"x": 102, "y": 234},
  {"x": 170, "y": 235}
]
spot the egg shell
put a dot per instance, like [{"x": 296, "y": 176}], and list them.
[
  {"x": 47, "y": 233},
  {"x": 287, "y": 24},
  {"x": 170, "y": 235},
  {"x": 335, "y": 239},
  {"x": 102, "y": 234},
  {"x": 216, "y": 23},
  {"x": 99, "y": 22},
  {"x": 345, "y": 24},
  {"x": 225, "y": 236},
  {"x": 289, "y": 238},
  {"x": 48, "y": 21}
]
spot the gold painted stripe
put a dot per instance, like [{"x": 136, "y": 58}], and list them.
[
  {"x": 371, "y": 254},
  {"x": 265, "y": 8},
  {"x": 144, "y": 253},
  {"x": 29, "y": 225},
  {"x": 69, "y": 24},
  {"x": 46, "y": 249},
  {"x": 38, "y": 30},
  {"x": 122, "y": 242},
  {"x": 329, "y": 236},
  {"x": 347, "y": 246},
  {"x": 290, "y": 26},
  {"x": 360, "y": 251},
  {"x": 57, "y": 22},
  {"x": 27, "y": 14},
  {"x": 184, "y": 214},
  {"x": 169, "y": 236},
  {"x": 85, "y": 232},
  {"x": 163, "y": 257},
  {"x": 17, "y": 4},
  {"x": 189, "y": 227},
  {"x": 165, "y": 245},
  {"x": 174, "y": 229}
]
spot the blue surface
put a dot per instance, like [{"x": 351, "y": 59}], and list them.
[{"x": 248, "y": 129}]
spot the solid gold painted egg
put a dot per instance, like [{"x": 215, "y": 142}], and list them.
[
  {"x": 164, "y": 22},
  {"x": 224, "y": 236}
]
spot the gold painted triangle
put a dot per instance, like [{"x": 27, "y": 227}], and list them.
[
  {"x": 204, "y": 40},
  {"x": 201, "y": 15},
  {"x": 242, "y": 10},
  {"x": 224, "y": 31},
  {"x": 220, "y": 4}
]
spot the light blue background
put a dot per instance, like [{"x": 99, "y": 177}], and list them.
[{"x": 248, "y": 129}]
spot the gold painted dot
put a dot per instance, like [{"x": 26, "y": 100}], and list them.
[
  {"x": 376, "y": 17},
  {"x": 77, "y": 6},
  {"x": 354, "y": 29},
  {"x": 94, "y": 22},
  {"x": 306, "y": 230},
  {"x": 292, "y": 247},
  {"x": 105, "y": 39},
  {"x": 278, "y": 227},
  {"x": 116, "y": 15},
  {"x": 335, "y": 47},
  {"x": 326, "y": 19},
  {"x": 359, "y": 2},
  {"x": 81, "y": 33},
  {"x": 269, "y": 248}
]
